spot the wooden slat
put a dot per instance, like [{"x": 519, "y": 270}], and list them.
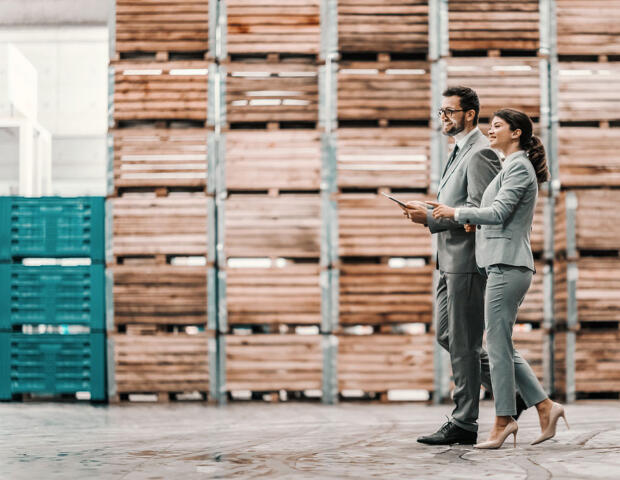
[
  {"x": 588, "y": 28},
  {"x": 175, "y": 225},
  {"x": 278, "y": 295},
  {"x": 273, "y": 362},
  {"x": 163, "y": 294},
  {"x": 162, "y": 26},
  {"x": 395, "y": 90},
  {"x": 501, "y": 25},
  {"x": 589, "y": 91},
  {"x": 264, "y": 92},
  {"x": 383, "y": 26},
  {"x": 160, "y": 91},
  {"x": 282, "y": 159},
  {"x": 161, "y": 363},
  {"x": 378, "y": 363},
  {"x": 372, "y": 225},
  {"x": 287, "y": 226},
  {"x": 160, "y": 157},
  {"x": 530, "y": 346},
  {"x": 499, "y": 82},
  {"x": 385, "y": 157},
  {"x": 379, "y": 295}
]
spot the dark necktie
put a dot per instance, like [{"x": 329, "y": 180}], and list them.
[{"x": 453, "y": 155}]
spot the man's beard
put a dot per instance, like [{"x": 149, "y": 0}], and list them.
[{"x": 455, "y": 129}]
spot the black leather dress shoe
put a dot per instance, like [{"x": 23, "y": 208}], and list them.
[
  {"x": 521, "y": 407},
  {"x": 448, "y": 434}
]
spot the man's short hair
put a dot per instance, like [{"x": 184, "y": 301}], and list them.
[{"x": 468, "y": 99}]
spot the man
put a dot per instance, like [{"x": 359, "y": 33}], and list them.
[{"x": 460, "y": 291}]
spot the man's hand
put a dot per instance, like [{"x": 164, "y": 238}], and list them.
[
  {"x": 416, "y": 212},
  {"x": 470, "y": 228}
]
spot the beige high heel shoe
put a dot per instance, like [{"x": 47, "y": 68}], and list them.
[
  {"x": 556, "y": 412},
  {"x": 510, "y": 429}
]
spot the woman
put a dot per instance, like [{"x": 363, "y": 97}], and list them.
[{"x": 503, "y": 250}]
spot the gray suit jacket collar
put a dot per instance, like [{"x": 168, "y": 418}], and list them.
[{"x": 459, "y": 158}]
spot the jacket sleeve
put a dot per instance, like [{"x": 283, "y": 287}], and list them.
[
  {"x": 482, "y": 168},
  {"x": 515, "y": 181}
]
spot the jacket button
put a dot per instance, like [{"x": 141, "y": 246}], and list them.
[{"x": 478, "y": 227}]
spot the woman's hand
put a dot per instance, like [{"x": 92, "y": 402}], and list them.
[{"x": 440, "y": 210}]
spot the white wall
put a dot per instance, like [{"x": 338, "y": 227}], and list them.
[{"x": 71, "y": 63}]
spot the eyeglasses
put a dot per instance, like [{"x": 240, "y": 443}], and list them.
[{"x": 448, "y": 112}]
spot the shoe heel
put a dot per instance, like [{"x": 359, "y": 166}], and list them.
[
  {"x": 565, "y": 421},
  {"x": 515, "y": 440}
]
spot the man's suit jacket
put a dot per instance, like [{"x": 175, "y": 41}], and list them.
[
  {"x": 505, "y": 215},
  {"x": 462, "y": 184}
]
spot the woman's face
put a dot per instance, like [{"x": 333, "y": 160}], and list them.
[{"x": 500, "y": 135}]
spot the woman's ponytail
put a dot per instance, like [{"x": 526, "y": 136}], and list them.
[{"x": 536, "y": 153}]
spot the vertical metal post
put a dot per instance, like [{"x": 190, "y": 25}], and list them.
[
  {"x": 572, "y": 275},
  {"x": 330, "y": 369},
  {"x": 329, "y": 28},
  {"x": 548, "y": 324}
]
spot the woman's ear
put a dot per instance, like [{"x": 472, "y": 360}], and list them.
[{"x": 516, "y": 133}]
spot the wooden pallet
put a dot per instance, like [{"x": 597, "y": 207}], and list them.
[
  {"x": 262, "y": 226},
  {"x": 162, "y": 26},
  {"x": 284, "y": 159},
  {"x": 160, "y": 158},
  {"x": 276, "y": 27},
  {"x": 588, "y": 157},
  {"x": 273, "y": 362},
  {"x": 383, "y": 26},
  {"x": 161, "y": 363},
  {"x": 386, "y": 157},
  {"x": 588, "y": 28},
  {"x": 372, "y": 225},
  {"x": 266, "y": 92},
  {"x": 530, "y": 345},
  {"x": 597, "y": 361},
  {"x": 597, "y": 218},
  {"x": 589, "y": 91},
  {"x": 168, "y": 226},
  {"x": 289, "y": 295},
  {"x": 377, "y": 363},
  {"x": 499, "y": 82},
  {"x": 159, "y": 295},
  {"x": 160, "y": 90},
  {"x": 499, "y": 25},
  {"x": 398, "y": 90},
  {"x": 380, "y": 295}
]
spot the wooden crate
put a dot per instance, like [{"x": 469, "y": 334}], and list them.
[
  {"x": 372, "y": 225},
  {"x": 160, "y": 158},
  {"x": 588, "y": 157},
  {"x": 164, "y": 363},
  {"x": 499, "y": 82},
  {"x": 160, "y": 294},
  {"x": 597, "y": 361},
  {"x": 266, "y": 92},
  {"x": 530, "y": 346},
  {"x": 378, "y": 363},
  {"x": 383, "y": 26},
  {"x": 174, "y": 225},
  {"x": 537, "y": 235},
  {"x": 588, "y": 28},
  {"x": 268, "y": 160},
  {"x": 162, "y": 26},
  {"x": 380, "y": 295},
  {"x": 288, "y": 295},
  {"x": 267, "y": 363},
  {"x": 270, "y": 26},
  {"x": 385, "y": 157},
  {"x": 500, "y": 25},
  {"x": 532, "y": 308},
  {"x": 596, "y": 221},
  {"x": 160, "y": 90},
  {"x": 398, "y": 90},
  {"x": 589, "y": 91}
]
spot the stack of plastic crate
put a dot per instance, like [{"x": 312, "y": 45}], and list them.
[{"x": 52, "y": 300}]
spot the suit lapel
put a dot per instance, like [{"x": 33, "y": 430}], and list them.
[{"x": 459, "y": 158}]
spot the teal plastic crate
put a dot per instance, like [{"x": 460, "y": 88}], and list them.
[
  {"x": 52, "y": 227},
  {"x": 52, "y": 295},
  {"x": 52, "y": 364}
]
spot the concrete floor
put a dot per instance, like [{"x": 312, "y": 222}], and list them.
[{"x": 290, "y": 440}]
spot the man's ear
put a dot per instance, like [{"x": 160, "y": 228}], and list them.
[{"x": 469, "y": 115}]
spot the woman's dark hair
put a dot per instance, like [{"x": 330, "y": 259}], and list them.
[
  {"x": 530, "y": 143},
  {"x": 467, "y": 97}
]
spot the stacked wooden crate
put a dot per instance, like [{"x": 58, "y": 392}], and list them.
[
  {"x": 269, "y": 335},
  {"x": 586, "y": 361},
  {"x": 158, "y": 202}
]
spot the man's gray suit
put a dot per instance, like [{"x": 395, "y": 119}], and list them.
[{"x": 460, "y": 291}]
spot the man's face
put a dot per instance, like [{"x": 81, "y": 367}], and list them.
[{"x": 453, "y": 118}]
